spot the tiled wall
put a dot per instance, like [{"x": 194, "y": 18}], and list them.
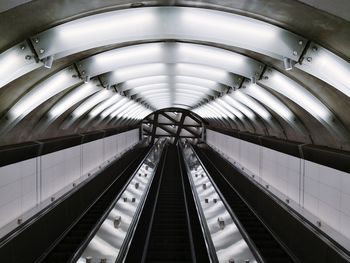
[
  {"x": 321, "y": 190},
  {"x": 30, "y": 183}
]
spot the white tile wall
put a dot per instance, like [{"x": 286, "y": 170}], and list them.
[
  {"x": 17, "y": 189},
  {"x": 321, "y": 190},
  {"x": 21, "y": 183}
]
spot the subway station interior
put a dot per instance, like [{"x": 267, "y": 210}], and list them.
[{"x": 175, "y": 131}]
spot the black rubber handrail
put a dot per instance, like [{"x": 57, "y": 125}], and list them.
[{"x": 193, "y": 253}]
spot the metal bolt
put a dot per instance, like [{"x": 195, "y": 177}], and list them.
[
  {"x": 204, "y": 186},
  {"x": 22, "y": 47},
  {"x": 202, "y": 175},
  {"x": 28, "y": 57},
  {"x": 242, "y": 168},
  {"x": 266, "y": 77},
  {"x": 139, "y": 174},
  {"x": 74, "y": 184},
  {"x": 41, "y": 51},
  {"x": 116, "y": 222},
  {"x": 83, "y": 72},
  {"x": 221, "y": 223},
  {"x": 125, "y": 199},
  {"x": 267, "y": 186},
  {"x": 215, "y": 200},
  {"x": 19, "y": 221},
  {"x": 253, "y": 175},
  {"x": 319, "y": 223},
  {"x": 287, "y": 200},
  {"x": 206, "y": 200},
  {"x": 137, "y": 185},
  {"x": 133, "y": 199},
  {"x": 88, "y": 259},
  {"x": 103, "y": 260},
  {"x": 196, "y": 175},
  {"x": 246, "y": 261},
  {"x": 89, "y": 174},
  {"x": 314, "y": 48},
  {"x": 52, "y": 199},
  {"x": 231, "y": 260},
  {"x": 309, "y": 59},
  {"x": 295, "y": 53}
]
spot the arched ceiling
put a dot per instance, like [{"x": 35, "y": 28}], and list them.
[{"x": 263, "y": 67}]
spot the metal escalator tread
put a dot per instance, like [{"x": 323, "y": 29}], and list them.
[
  {"x": 169, "y": 239},
  {"x": 70, "y": 243},
  {"x": 268, "y": 247}
]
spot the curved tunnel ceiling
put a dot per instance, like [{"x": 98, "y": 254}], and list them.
[{"x": 233, "y": 69}]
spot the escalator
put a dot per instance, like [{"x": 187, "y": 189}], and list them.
[
  {"x": 268, "y": 246},
  {"x": 170, "y": 213},
  {"x": 67, "y": 249}
]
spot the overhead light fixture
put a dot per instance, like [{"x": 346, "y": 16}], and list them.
[
  {"x": 42, "y": 92},
  {"x": 91, "y": 102},
  {"x": 72, "y": 98},
  {"x": 328, "y": 67},
  {"x": 250, "y": 103},
  {"x": 305, "y": 99},
  {"x": 239, "y": 106},
  {"x": 180, "y": 52},
  {"x": 16, "y": 62},
  {"x": 104, "y": 105},
  {"x": 187, "y": 23}
]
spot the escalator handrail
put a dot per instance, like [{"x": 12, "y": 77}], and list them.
[
  {"x": 305, "y": 222},
  {"x": 241, "y": 229},
  {"x": 34, "y": 218},
  {"x": 126, "y": 243},
  {"x": 95, "y": 228},
  {"x": 193, "y": 253},
  {"x": 56, "y": 242},
  {"x": 206, "y": 233},
  {"x": 149, "y": 230}
]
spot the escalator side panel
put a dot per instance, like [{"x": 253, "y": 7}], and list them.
[
  {"x": 299, "y": 238},
  {"x": 200, "y": 248},
  {"x": 45, "y": 229}
]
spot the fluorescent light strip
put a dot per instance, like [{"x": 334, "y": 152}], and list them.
[
  {"x": 170, "y": 86},
  {"x": 230, "y": 108},
  {"x": 250, "y": 103},
  {"x": 112, "y": 108},
  {"x": 15, "y": 62},
  {"x": 128, "y": 109},
  {"x": 184, "y": 23},
  {"x": 121, "y": 108},
  {"x": 72, "y": 98},
  {"x": 268, "y": 99},
  {"x": 195, "y": 71},
  {"x": 171, "y": 52},
  {"x": 239, "y": 106},
  {"x": 328, "y": 67},
  {"x": 91, "y": 102},
  {"x": 295, "y": 92},
  {"x": 42, "y": 92},
  {"x": 104, "y": 105}
]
